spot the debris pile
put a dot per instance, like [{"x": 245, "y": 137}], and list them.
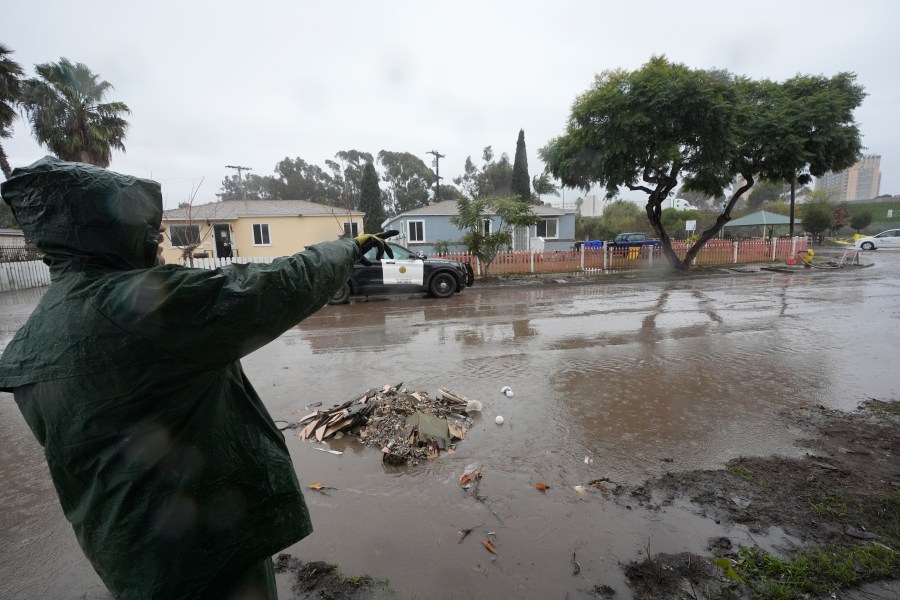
[{"x": 405, "y": 425}]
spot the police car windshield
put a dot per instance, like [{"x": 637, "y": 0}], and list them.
[{"x": 399, "y": 252}]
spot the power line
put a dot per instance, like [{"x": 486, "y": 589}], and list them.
[
  {"x": 240, "y": 179},
  {"x": 437, "y": 172}
]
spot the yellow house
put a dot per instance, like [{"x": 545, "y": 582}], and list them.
[{"x": 263, "y": 228}]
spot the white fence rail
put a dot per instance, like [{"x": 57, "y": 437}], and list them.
[
  {"x": 214, "y": 263},
  {"x": 23, "y": 275}
]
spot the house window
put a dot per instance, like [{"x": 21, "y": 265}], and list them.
[
  {"x": 184, "y": 235},
  {"x": 416, "y": 231},
  {"x": 548, "y": 228},
  {"x": 351, "y": 229},
  {"x": 261, "y": 234},
  {"x": 486, "y": 227}
]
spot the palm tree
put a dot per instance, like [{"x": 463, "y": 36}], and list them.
[
  {"x": 543, "y": 185},
  {"x": 67, "y": 113},
  {"x": 10, "y": 95}
]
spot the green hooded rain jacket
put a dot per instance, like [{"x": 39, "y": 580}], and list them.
[{"x": 165, "y": 460}]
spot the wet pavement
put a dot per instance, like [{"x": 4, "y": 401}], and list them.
[{"x": 638, "y": 377}]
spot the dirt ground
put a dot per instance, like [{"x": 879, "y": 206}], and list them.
[{"x": 841, "y": 502}]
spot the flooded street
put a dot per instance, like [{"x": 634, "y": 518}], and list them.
[{"x": 624, "y": 380}]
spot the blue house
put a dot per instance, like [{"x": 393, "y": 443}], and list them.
[{"x": 421, "y": 228}]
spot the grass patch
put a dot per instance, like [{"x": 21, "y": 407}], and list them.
[
  {"x": 819, "y": 571},
  {"x": 741, "y": 472},
  {"x": 827, "y": 506},
  {"x": 815, "y": 571},
  {"x": 880, "y": 407}
]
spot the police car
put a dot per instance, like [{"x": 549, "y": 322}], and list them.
[{"x": 407, "y": 273}]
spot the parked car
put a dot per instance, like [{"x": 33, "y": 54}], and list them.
[
  {"x": 885, "y": 239},
  {"x": 407, "y": 273},
  {"x": 634, "y": 239}
]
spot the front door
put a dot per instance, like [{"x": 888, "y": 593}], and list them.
[
  {"x": 520, "y": 239},
  {"x": 223, "y": 240}
]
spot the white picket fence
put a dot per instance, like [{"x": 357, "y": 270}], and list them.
[
  {"x": 214, "y": 263},
  {"x": 23, "y": 275}
]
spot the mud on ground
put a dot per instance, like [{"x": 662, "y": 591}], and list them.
[
  {"x": 842, "y": 501},
  {"x": 324, "y": 581}
]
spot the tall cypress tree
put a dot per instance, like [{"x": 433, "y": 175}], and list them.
[
  {"x": 521, "y": 183},
  {"x": 370, "y": 200}
]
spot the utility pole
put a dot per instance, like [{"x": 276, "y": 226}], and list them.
[
  {"x": 240, "y": 179},
  {"x": 437, "y": 171}
]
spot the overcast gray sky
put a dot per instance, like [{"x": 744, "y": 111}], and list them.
[{"x": 215, "y": 83}]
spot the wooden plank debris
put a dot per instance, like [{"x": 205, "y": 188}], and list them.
[{"x": 390, "y": 418}]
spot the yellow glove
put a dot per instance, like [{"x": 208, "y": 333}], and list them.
[{"x": 367, "y": 241}]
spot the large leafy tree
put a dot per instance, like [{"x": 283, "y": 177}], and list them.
[
  {"x": 347, "y": 173},
  {"x": 409, "y": 180},
  {"x": 840, "y": 217},
  {"x": 370, "y": 200},
  {"x": 644, "y": 130},
  {"x": 472, "y": 214},
  {"x": 299, "y": 180},
  {"x": 647, "y": 129},
  {"x": 621, "y": 215},
  {"x": 860, "y": 220},
  {"x": 818, "y": 132},
  {"x": 247, "y": 187},
  {"x": 294, "y": 179},
  {"x": 493, "y": 179},
  {"x": 818, "y": 215},
  {"x": 521, "y": 184},
  {"x": 450, "y": 192},
  {"x": 10, "y": 95},
  {"x": 66, "y": 106}
]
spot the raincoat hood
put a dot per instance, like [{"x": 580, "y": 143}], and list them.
[{"x": 84, "y": 217}]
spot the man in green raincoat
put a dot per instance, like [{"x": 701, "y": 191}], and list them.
[{"x": 176, "y": 480}]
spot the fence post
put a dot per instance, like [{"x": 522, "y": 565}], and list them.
[
  {"x": 605, "y": 250},
  {"x": 736, "y": 244},
  {"x": 582, "y": 257},
  {"x": 794, "y": 246},
  {"x": 532, "y": 261},
  {"x": 652, "y": 252},
  {"x": 774, "y": 243}
]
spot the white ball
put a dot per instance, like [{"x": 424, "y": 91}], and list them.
[{"x": 498, "y": 420}]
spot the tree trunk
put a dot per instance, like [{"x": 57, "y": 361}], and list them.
[
  {"x": 719, "y": 224},
  {"x": 793, "y": 185},
  {"x": 654, "y": 214}
]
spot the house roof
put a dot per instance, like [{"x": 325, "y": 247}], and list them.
[
  {"x": 12, "y": 232},
  {"x": 761, "y": 218},
  {"x": 228, "y": 210},
  {"x": 449, "y": 208}
]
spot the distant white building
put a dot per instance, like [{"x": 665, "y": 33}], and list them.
[
  {"x": 862, "y": 181},
  {"x": 592, "y": 206},
  {"x": 679, "y": 204}
]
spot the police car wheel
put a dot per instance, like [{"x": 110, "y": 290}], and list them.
[
  {"x": 470, "y": 274},
  {"x": 868, "y": 246},
  {"x": 442, "y": 285},
  {"x": 341, "y": 296}
]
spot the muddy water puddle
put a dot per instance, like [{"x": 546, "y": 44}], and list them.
[{"x": 617, "y": 381}]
